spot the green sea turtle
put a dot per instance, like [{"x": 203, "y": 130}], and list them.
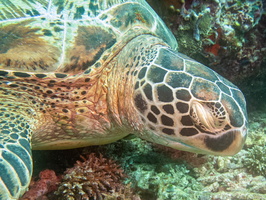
[{"x": 75, "y": 73}]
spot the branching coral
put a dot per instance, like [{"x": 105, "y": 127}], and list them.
[
  {"x": 256, "y": 160},
  {"x": 93, "y": 179}
]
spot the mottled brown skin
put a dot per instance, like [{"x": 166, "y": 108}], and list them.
[
  {"x": 71, "y": 108},
  {"x": 71, "y": 103},
  {"x": 91, "y": 107}
]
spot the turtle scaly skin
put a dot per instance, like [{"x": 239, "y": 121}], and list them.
[{"x": 88, "y": 72}]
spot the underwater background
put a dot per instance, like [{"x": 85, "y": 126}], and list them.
[{"x": 229, "y": 36}]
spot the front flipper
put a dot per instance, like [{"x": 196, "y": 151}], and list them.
[{"x": 15, "y": 155}]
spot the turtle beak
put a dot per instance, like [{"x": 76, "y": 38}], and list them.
[{"x": 227, "y": 144}]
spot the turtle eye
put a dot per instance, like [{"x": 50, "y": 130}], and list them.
[{"x": 210, "y": 117}]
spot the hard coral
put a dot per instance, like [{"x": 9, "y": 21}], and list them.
[
  {"x": 95, "y": 178},
  {"x": 256, "y": 161},
  {"x": 224, "y": 35},
  {"x": 152, "y": 173}
]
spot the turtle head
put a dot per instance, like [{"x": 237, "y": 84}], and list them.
[{"x": 185, "y": 105}]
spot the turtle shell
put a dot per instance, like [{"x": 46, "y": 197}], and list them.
[{"x": 70, "y": 36}]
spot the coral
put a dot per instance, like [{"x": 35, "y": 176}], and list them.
[
  {"x": 165, "y": 181},
  {"x": 228, "y": 36},
  {"x": 225, "y": 178},
  {"x": 255, "y": 160},
  {"x": 152, "y": 173},
  {"x": 193, "y": 159},
  {"x": 38, "y": 189},
  {"x": 257, "y": 135},
  {"x": 157, "y": 172},
  {"x": 94, "y": 178}
]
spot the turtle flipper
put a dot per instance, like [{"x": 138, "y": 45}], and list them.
[{"x": 15, "y": 155}]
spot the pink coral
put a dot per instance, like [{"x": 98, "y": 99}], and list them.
[{"x": 47, "y": 183}]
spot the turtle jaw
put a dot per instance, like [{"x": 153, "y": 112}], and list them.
[{"x": 227, "y": 144}]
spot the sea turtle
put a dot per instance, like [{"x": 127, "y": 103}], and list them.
[{"x": 76, "y": 73}]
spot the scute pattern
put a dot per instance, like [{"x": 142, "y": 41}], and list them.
[
  {"x": 178, "y": 79},
  {"x": 34, "y": 54},
  {"x": 169, "y": 61},
  {"x": 182, "y": 90},
  {"x": 205, "y": 90},
  {"x": 70, "y": 36},
  {"x": 235, "y": 117},
  {"x": 75, "y": 73},
  {"x": 89, "y": 45}
]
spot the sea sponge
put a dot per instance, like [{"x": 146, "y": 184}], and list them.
[{"x": 95, "y": 178}]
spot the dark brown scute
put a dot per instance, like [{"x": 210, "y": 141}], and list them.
[
  {"x": 90, "y": 43},
  {"x": 23, "y": 48}
]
